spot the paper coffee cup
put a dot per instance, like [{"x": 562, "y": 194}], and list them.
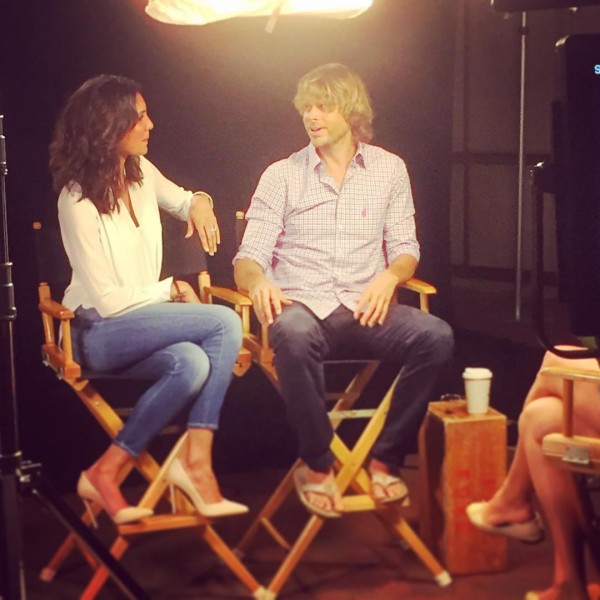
[{"x": 477, "y": 389}]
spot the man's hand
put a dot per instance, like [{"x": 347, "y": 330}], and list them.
[
  {"x": 267, "y": 299},
  {"x": 202, "y": 219},
  {"x": 182, "y": 291},
  {"x": 374, "y": 302}
]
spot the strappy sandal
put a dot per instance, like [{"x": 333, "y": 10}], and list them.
[
  {"x": 328, "y": 489},
  {"x": 385, "y": 480}
]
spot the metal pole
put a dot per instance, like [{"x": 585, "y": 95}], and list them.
[
  {"x": 519, "y": 264},
  {"x": 12, "y": 583}
]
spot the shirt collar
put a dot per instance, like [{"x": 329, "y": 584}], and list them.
[{"x": 314, "y": 159}]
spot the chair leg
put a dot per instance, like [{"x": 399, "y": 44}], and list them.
[
  {"x": 293, "y": 557},
  {"x": 263, "y": 519},
  {"x": 399, "y": 527},
  {"x": 101, "y": 574},
  {"x": 228, "y": 556},
  {"x": 68, "y": 545}
]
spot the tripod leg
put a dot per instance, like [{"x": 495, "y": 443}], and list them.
[
  {"x": 45, "y": 492},
  {"x": 11, "y": 566}
]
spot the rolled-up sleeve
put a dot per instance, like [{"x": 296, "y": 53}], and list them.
[
  {"x": 265, "y": 218},
  {"x": 400, "y": 235}
]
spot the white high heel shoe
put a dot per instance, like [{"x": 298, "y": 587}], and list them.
[
  {"x": 177, "y": 476},
  {"x": 88, "y": 493}
]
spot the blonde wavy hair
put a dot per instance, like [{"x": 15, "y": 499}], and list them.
[{"x": 334, "y": 85}]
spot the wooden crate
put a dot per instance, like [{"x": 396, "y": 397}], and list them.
[{"x": 463, "y": 459}]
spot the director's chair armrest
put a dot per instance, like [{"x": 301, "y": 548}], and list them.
[
  {"x": 570, "y": 376},
  {"x": 59, "y": 358},
  {"x": 229, "y": 295},
  {"x": 241, "y": 303},
  {"x": 578, "y": 453},
  {"x": 422, "y": 288},
  {"x": 573, "y": 374},
  {"x": 56, "y": 310}
]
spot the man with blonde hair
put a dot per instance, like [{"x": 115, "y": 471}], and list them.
[{"x": 330, "y": 237}]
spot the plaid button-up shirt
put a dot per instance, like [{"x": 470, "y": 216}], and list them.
[{"x": 322, "y": 245}]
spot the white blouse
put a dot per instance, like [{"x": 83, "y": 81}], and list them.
[{"x": 116, "y": 265}]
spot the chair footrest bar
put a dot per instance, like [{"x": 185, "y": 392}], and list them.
[
  {"x": 163, "y": 523},
  {"x": 365, "y": 413},
  {"x": 274, "y": 533},
  {"x": 358, "y": 503}
]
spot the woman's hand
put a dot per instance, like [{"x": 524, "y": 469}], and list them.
[
  {"x": 182, "y": 291},
  {"x": 202, "y": 219}
]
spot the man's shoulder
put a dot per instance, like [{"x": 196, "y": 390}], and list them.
[
  {"x": 292, "y": 162},
  {"x": 377, "y": 153}
]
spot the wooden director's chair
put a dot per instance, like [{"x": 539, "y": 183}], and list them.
[
  {"x": 350, "y": 474},
  {"x": 60, "y": 359},
  {"x": 578, "y": 453}
]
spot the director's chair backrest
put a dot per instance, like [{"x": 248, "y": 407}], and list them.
[{"x": 58, "y": 355}]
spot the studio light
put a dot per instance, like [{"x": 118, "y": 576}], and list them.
[{"x": 201, "y": 12}]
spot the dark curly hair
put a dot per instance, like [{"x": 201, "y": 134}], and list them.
[{"x": 84, "y": 147}]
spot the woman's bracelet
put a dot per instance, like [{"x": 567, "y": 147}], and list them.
[
  {"x": 212, "y": 204},
  {"x": 177, "y": 288}
]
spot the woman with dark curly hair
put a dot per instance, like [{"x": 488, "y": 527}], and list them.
[{"x": 127, "y": 320}]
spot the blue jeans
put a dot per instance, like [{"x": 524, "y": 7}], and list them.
[
  {"x": 420, "y": 342},
  {"x": 186, "y": 350}
]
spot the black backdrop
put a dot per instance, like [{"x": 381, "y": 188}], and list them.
[{"x": 220, "y": 97}]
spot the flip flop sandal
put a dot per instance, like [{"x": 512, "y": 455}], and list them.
[
  {"x": 385, "y": 481},
  {"x": 328, "y": 489}
]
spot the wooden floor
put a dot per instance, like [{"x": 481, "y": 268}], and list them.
[{"x": 352, "y": 558}]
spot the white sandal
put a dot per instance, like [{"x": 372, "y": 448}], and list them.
[
  {"x": 327, "y": 488},
  {"x": 385, "y": 480}
]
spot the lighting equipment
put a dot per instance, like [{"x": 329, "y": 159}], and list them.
[
  {"x": 523, "y": 5},
  {"x": 574, "y": 179},
  {"x": 201, "y": 12}
]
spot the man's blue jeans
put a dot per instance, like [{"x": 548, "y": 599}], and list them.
[
  {"x": 187, "y": 350},
  {"x": 421, "y": 343}
]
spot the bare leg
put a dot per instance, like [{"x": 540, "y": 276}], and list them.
[
  {"x": 557, "y": 494},
  {"x": 103, "y": 476},
  {"x": 513, "y": 501}
]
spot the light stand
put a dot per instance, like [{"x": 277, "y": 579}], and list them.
[{"x": 18, "y": 477}]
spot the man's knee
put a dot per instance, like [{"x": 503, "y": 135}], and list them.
[
  {"x": 295, "y": 332},
  {"x": 437, "y": 340}
]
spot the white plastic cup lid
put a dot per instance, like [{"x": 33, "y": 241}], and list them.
[{"x": 477, "y": 373}]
